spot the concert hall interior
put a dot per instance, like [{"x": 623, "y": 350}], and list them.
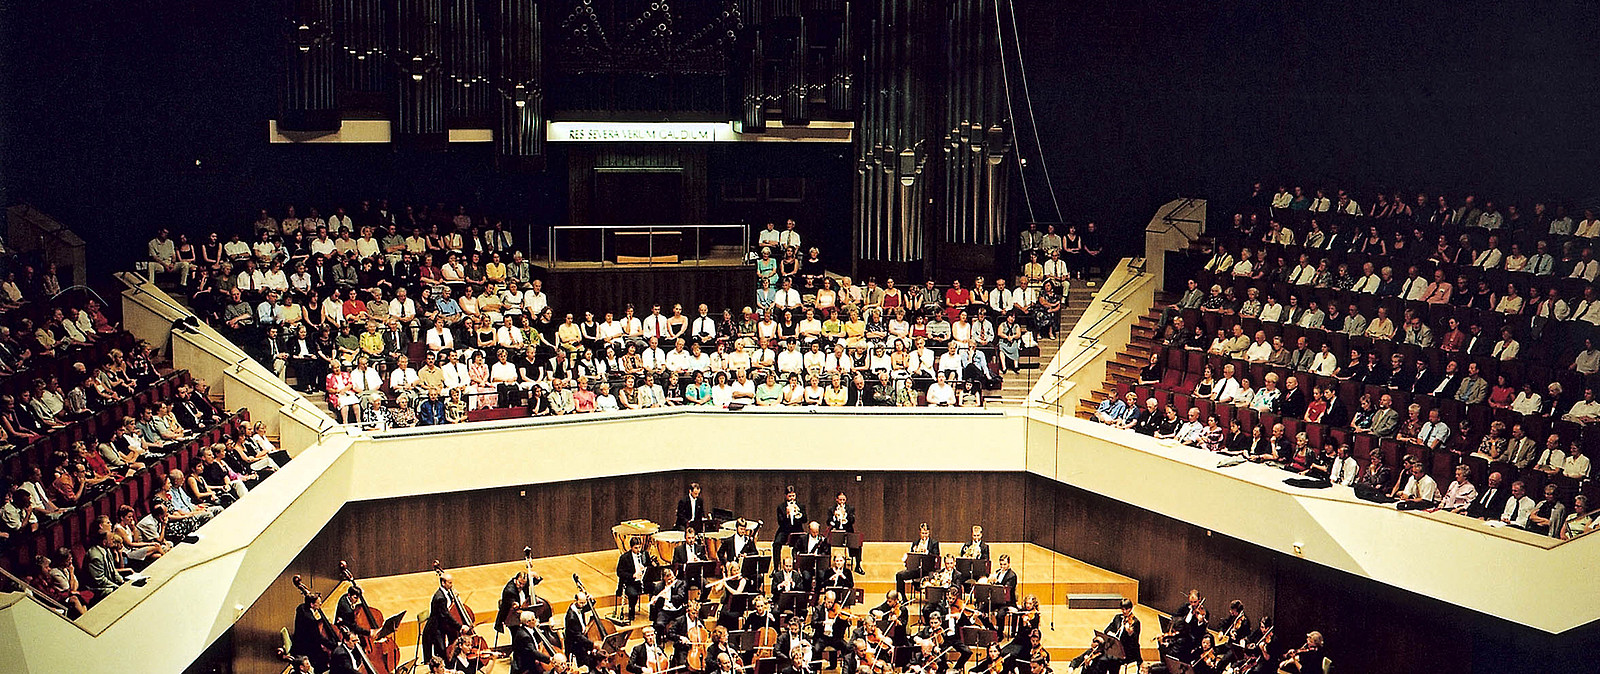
[{"x": 798, "y": 337}]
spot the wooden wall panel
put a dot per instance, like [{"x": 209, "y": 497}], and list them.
[{"x": 612, "y": 289}]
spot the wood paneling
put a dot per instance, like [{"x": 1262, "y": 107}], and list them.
[{"x": 613, "y": 289}]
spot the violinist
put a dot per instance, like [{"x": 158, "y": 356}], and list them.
[
  {"x": 837, "y": 578},
  {"x": 799, "y": 662},
  {"x": 1025, "y": 623},
  {"x": 632, "y": 566},
  {"x": 925, "y": 545},
  {"x": 464, "y": 651},
  {"x": 787, "y": 579},
  {"x": 346, "y": 658},
  {"x": 310, "y": 640},
  {"x": 648, "y": 656},
  {"x": 578, "y": 645},
  {"x": 1234, "y": 635},
  {"x": 526, "y": 655},
  {"x": 791, "y": 518},
  {"x": 1124, "y": 627},
  {"x": 1208, "y": 660},
  {"x": 993, "y": 662},
  {"x": 926, "y": 660},
  {"x": 1097, "y": 659},
  {"x": 1259, "y": 650},
  {"x": 892, "y": 618},
  {"x": 976, "y": 548},
  {"x": 442, "y": 626},
  {"x": 436, "y": 666},
  {"x": 813, "y": 542},
  {"x": 948, "y": 577},
  {"x": 859, "y": 660},
  {"x": 830, "y": 625},
  {"x": 1306, "y": 659},
  {"x": 955, "y": 622},
  {"x": 668, "y": 601},
  {"x": 843, "y": 518},
  {"x": 1188, "y": 623}
]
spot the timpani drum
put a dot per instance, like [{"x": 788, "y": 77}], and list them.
[
  {"x": 714, "y": 541},
  {"x": 632, "y": 529},
  {"x": 665, "y": 543}
]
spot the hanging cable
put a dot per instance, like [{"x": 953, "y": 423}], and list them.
[
  {"x": 1027, "y": 97},
  {"x": 1005, "y": 80}
]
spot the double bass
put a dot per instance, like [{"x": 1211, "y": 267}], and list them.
[
  {"x": 331, "y": 632},
  {"x": 384, "y": 653},
  {"x": 597, "y": 632},
  {"x": 467, "y": 644}
]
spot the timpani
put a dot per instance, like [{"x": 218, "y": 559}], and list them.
[{"x": 631, "y": 529}]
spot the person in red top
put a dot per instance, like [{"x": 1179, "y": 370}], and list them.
[{"x": 955, "y": 299}]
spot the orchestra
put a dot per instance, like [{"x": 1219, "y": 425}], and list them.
[{"x": 947, "y": 611}]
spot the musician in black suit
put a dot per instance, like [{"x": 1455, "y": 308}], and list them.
[
  {"x": 792, "y": 639},
  {"x": 514, "y": 597},
  {"x": 1188, "y": 625},
  {"x": 812, "y": 542},
  {"x": 739, "y": 545},
  {"x": 692, "y": 550},
  {"x": 976, "y": 548},
  {"x": 837, "y": 576},
  {"x": 1124, "y": 627},
  {"x": 647, "y": 652},
  {"x": 692, "y": 509},
  {"x": 442, "y": 626},
  {"x": 1004, "y": 576},
  {"x": 829, "y": 627},
  {"x": 632, "y": 567},
  {"x": 925, "y": 544},
  {"x": 787, "y": 579},
  {"x": 668, "y": 600},
  {"x": 760, "y": 615},
  {"x": 346, "y": 658},
  {"x": 525, "y": 652},
  {"x": 308, "y": 639},
  {"x": 1236, "y": 631},
  {"x": 574, "y": 632},
  {"x": 734, "y": 584},
  {"x": 791, "y": 519},
  {"x": 344, "y": 615},
  {"x": 843, "y": 518},
  {"x": 894, "y": 610}
]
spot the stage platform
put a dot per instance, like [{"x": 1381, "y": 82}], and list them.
[{"x": 1053, "y": 577}]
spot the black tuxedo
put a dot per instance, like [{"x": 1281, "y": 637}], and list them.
[
  {"x": 1007, "y": 578},
  {"x": 810, "y": 546},
  {"x": 639, "y": 658},
  {"x": 629, "y": 582},
  {"x": 344, "y": 661},
  {"x": 901, "y": 576},
  {"x": 525, "y": 653},
  {"x": 1448, "y": 384},
  {"x": 442, "y": 627},
  {"x": 511, "y": 596},
  {"x": 840, "y": 577},
  {"x": 668, "y": 603},
  {"x": 1129, "y": 636},
  {"x": 577, "y": 644},
  {"x": 787, "y": 524},
  {"x": 1490, "y": 503},
  {"x": 1293, "y": 403},
  {"x": 681, "y": 555},
  {"x": 1478, "y": 345},
  {"x": 691, "y": 511},
  {"x": 846, "y": 524},
  {"x": 794, "y": 581},
  {"x": 978, "y": 550}
]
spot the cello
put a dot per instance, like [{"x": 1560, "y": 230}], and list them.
[
  {"x": 331, "y": 632},
  {"x": 597, "y": 632},
  {"x": 368, "y": 620},
  {"x": 467, "y": 643}
]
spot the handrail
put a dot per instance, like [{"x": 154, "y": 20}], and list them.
[
  {"x": 28, "y": 590},
  {"x": 1089, "y": 341}
]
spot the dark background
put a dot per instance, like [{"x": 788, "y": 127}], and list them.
[{"x": 107, "y": 106}]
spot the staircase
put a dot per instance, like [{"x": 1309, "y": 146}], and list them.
[
  {"x": 1124, "y": 366},
  {"x": 1015, "y": 389}
]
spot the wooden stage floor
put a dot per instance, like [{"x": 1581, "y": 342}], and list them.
[{"x": 1051, "y": 576}]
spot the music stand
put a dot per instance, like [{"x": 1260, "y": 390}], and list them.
[
  {"x": 973, "y": 568},
  {"x": 919, "y": 564},
  {"x": 844, "y": 595},
  {"x": 390, "y": 626},
  {"x": 739, "y": 602},
  {"x": 694, "y": 572},
  {"x": 902, "y": 655},
  {"x": 652, "y": 575},
  {"x": 846, "y": 539},
  {"x": 979, "y": 637},
  {"x": 989, "y": 595},
  {"x": 793, "y": 602},
  {"x": 934, "y": 595},
  {"x": 707, "y": 610},
  {"x": 1176, "y": 666},
  {"x": 743, "y": 641},
  {"x": 766, "y": 665},
  {"x": 616, "y": 641},
  {"x": 793, "y": 541},
  {"x": 754, "y": 566},
  {"x": 810, "y": 564},
  {"x": 1113, "y": 646}
]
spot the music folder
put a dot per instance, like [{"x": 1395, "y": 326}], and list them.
[
  {"x": 1113, "y": 646},
  {"x": 811, "y": 564},
  {"x": 755, "y": 566},
  {"x": 973, "y": 568},
  {"x": 766, "y": 665},
  {"x": 390, "y": 626},
  {"x": 1176, "y": 666},
  {"x": 693, "y": 571},
  {"x": 934, "y": 595},
  {"x": 919, "y": 563},
  {"x": 793, "y": 602},
  {"x": 977, "y": 636},
  {"x": 987, "y": 595},
  {"x": 739, "y": 602},
  {"x": 847, "y": 539}
]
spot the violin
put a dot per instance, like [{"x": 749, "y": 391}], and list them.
[{"x": 368, "y": 621}]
